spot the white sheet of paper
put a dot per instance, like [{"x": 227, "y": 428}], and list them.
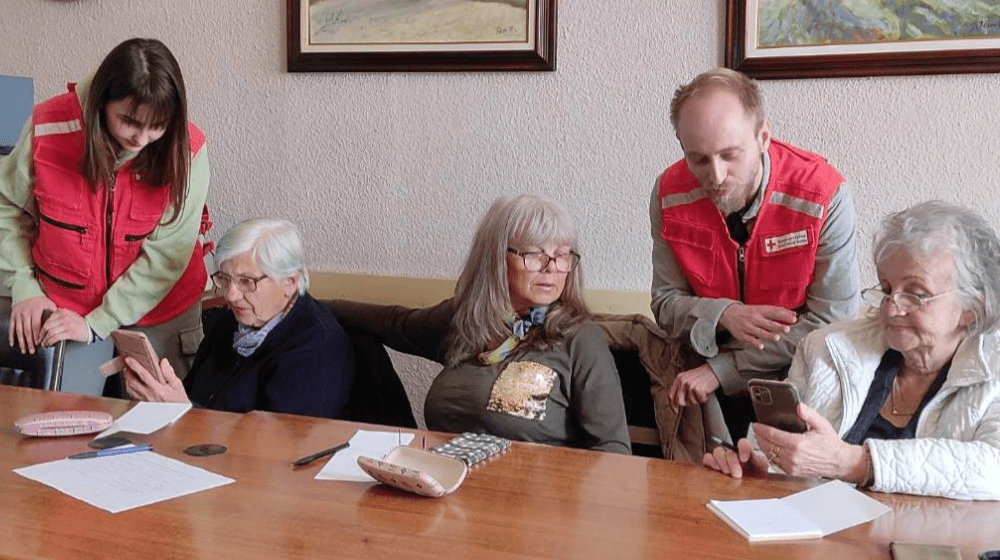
[
  {"x": 147, "y": 417},
  {"x": 122, "y": 482},
  {"x": 344, "y": 465},
  {"x": 835, "y": 506}
]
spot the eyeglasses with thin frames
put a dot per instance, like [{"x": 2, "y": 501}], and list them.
[
  {"x": 535, "y": 261},
  {"x": 245, "y": 284},
  {"x": 905, "y": 302}
]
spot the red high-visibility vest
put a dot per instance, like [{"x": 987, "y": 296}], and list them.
[
  {"x": 84, "y": 241},
  {"x": 779, "y": 257}
]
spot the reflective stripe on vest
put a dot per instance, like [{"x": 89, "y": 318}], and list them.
[
  {"x": 64, "y": 127},
  {"x": 797, "y": 204},
  {"x": 781, "y": 252}
]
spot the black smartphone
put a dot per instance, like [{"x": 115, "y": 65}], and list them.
[{"x": 775, "y": 403}]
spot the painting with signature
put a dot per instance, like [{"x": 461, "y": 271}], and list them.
[
  {"x": 412, "y": 22},
  {"x": 785, "y": 23}
]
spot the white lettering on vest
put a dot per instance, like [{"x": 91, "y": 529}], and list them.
[{"x": 787, "y": 241}]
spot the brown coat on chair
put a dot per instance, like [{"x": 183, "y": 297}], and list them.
[{"x": 684, "y": 435}]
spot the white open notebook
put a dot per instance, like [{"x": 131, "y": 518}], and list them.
[{"x": 809, "y": 514}]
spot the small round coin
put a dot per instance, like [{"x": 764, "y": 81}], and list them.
[{"x": 205, "y": 449}]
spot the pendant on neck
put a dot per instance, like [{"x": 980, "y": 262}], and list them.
[{"x": 892, "y": 401}]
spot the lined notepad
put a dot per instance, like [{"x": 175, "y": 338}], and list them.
[{"x": 809, "y": 514}]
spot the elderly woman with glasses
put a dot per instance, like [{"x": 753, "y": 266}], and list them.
[
  {"x": 520, "y": 360},
  {"x": 907, "y": 399},
  {"x": 273, "y": 347}
]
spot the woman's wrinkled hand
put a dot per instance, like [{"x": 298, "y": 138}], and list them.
[
  {"x": 144, "y": 385},
  {"x": 818, "y": 452}
]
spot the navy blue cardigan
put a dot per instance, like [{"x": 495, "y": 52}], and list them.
[{"x": 304, "y": 366}]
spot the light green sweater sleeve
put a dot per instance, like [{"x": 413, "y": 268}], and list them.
[{"x": 17, "y": 221}]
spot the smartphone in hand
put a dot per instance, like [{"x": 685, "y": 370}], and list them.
[
  {"x": 135, "y": 345},
  {"x": 775, "y": 404}
]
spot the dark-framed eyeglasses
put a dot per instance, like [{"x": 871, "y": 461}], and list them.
[
  {"x": 245, "y": 284},
  {"x": 905, "y": 302},
  {"x": 535, "y": 261}
]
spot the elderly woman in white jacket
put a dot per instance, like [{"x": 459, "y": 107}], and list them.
[{"x": 906, "y": 399}]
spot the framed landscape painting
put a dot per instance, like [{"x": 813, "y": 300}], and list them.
[
  {"x": 840, "y": 38},
  {"x": 421, "y": 35}
]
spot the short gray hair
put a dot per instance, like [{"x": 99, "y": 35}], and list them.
[
  {"x": 275, "y": 245},
  {"x": 935, "y": 226}
]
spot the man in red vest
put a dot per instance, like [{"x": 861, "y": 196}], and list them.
[{"x": 753, "y": 244}]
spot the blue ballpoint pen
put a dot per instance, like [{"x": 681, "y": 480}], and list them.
[{"x": 112, "y": 451}]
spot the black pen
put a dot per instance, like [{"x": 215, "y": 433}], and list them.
[
  {"x": 310, "y": 458},
  {"x": 725, "y": 444}
]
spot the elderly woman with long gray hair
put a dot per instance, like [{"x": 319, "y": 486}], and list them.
[
  {"x": 906, "y": 399},
  {"x": 273, "y": 347},
  {"x": 520, "y": 360}
]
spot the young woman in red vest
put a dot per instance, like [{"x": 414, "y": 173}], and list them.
[{"x": 102, "y": 204}]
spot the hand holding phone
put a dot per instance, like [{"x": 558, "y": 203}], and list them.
[
  {"x": 776, "y": 404},
  {"x": 132, "y": 344}
]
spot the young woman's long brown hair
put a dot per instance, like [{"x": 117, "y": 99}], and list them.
[{"x": 144, "y": 71}]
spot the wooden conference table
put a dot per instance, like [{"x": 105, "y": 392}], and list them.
[{"x": 532, "y": 502}]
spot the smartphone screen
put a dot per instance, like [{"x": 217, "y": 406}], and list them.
[{"x": 775, "y": 403}]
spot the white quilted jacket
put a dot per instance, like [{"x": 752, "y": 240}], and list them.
[{"x": 956, "y": 452}]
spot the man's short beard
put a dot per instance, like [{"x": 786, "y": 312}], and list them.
[{"x": 728, "y": 203}]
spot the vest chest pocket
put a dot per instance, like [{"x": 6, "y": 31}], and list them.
[
  {"x": 58, "y": 186},
  {"x": 142, "y": 205},
  {"x": 784, "y": 265},
  {"x": 696, "y": 250},
  {"x": 140, "y": 213}
]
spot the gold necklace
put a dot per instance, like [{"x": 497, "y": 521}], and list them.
[{"x": 892, "y": 400}]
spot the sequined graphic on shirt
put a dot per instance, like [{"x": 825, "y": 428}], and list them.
[{"x": 522, "y": 389}]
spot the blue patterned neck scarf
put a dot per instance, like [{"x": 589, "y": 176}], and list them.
[
  {"x": 520, "y": 328},
  {"x": 246, "y": 339}
]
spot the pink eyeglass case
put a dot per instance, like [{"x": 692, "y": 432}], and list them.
[
  {"x": 417, "y": 471},
  {"x": 63, "y": 423}
]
